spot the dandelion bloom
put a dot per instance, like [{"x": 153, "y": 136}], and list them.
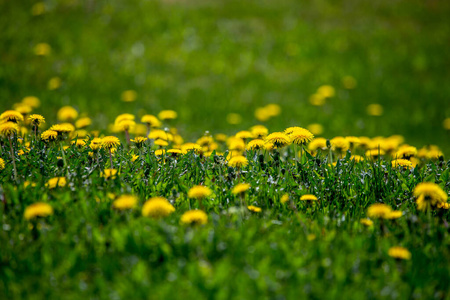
[
  {"x": 399, "y": 253},
  {"x": 429, "y": 195},
  {"x": 194, "y": 217},
  {"x": 238, "y": 161},
  {"x": 318, "y": 143},
  {"x": 255, "y": 145},
  {"x": 406, "y": 152},
  {"x": 11, "y": 116},
  {"x": 38, "y": 209},
  {"x": 160, "y": 152},
  {"x": 83, "y": 122},
  {"x": 374, "y": 110},
  {"x": 109, "y": 173},
  {"x": 278, "y": 139},
  {"x": 244, "y": 134},
  {"x": 67, "y": 113},
  {"x": 220, "y": 137},
  {"x": 109, "y": 142},
  {"x": 139, "y": 141},
  {"x": 123, "y": 117},
  {"x": 235, "y": 143},
  {"x": 8, "y": 128},
  {"x": 2, "y": 163},
  {"x": 284, "y": 198},
  {"x": 49, "y": 135},
  {"x": 199, "y": 192},
  {"x": 375, "y": 153},
  {"x": 404, "y": 163},
  {"x": 326, "y": 91},
  {"x": 96, "y": 144},
  {"x": 357, "y": 158},
  {"x": 160, "y": 134},
  {"x": 315, "y": 128},
  {"x": 151, "y": 121},
  {"x": 125, "y": 125},
  {"x": 80, "y": 143},
  {"x": 366, "y": 222},
  {"x": 63, "y": 128},
  {"x": 129, "y": 95},
  {"x": 125, "y": 202},
  {"x": 36, "y": 119},
  {"x": 301, "y": 136},
  {"x": 259, "y": 131},
  {"x": 353, "y": 141},
  {"x": 395, "y": 214},
  {"x": 161, "y": 143},
  {"x": 254, "y": 209},
  {"x": 157, "y": 207},
  {"x": 167, "y": 115},
  {"x": 340, "y": 144},
  {"x": 191, "y": 147},
  {"x": 308, "y": 197},
  {"x": 31, "y": 101},
  {"x": 55, "y": 182},
  {"x": 240, "y": 188},
  {"x": 174, "y": 152},
  {"x": 379, "y": 211},
  {"x": 234, "y": 119}
]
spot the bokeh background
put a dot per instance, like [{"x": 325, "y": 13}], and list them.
[{"x": 209, "y": 59}]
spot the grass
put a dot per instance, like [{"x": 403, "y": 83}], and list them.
[{"x": 206, "y": 60}]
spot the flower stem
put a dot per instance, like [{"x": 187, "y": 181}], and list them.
[
  {"x": 110, "y": 158},
  {"x": 13, "y": 159},
  {"x": 63, "y": 155}
]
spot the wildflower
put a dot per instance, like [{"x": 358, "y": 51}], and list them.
[
  {"x": 161, "y": 143},
  {"x": 357, "y": 158},
  {"x": 375, "y": 153},
  {"x": 56, "y": 182},
  {"x": 273, "y": 109},
  {"x": 167, "y": 115},
  {"x": 174, "y": 152},
  {"x": 443, "y": 205},
  {"x": 2, "y": 163},
  {"x": 54, "y": 83},
  {"x": 42, "y": 49},
  {"x": 96, "y": 144},
  {"x": 38, "y": 9},
  {"x": 317, "y": 99},
  {"x": 79, "y": 143},
  {"x": 109, "y": 173},
  {"x": 234, "y": 118},
  {"x": 315, "y": 128},
  {"x": 125, "y": 125},
  {"x": 125, "y": 202},
  {"x": 31, "y": 101},
  {"x": 36, "y": 119},
  {"x": 379, "y": 211},
  {"x": 254, "y": 209},
  {"x": 318, "y": 143},
  {"x": 157, "y": 207},
  {"x": 191, "y": 147},
  {"x": 109, "y": 142},
  {"x": 67, "y": 114},
  {"x": 205, "y": 141},
  {"x": 406, "y": 152},
  {"x": 308, "y": 197},
  {"x": 11, "y": 116},
  {"x": 199, "y": 192},
  {"x": 194, "y": 217},
  {"x": 23, "y": 109},
  {"x": 49, "y": 135},
  {"x": 262, "y": 114},
  {"x": 395, "y": 214},
  {"x": 240, "y": 188},
  {"x": 255, "y": 145},
  {"x": 340, "y": 144},
  {"x": 404, "y": 163},
  {"x": 244, "y": 134},
  {"x": 63, "y": 128},
  {"x": 238, "y": 161},
  {"x": 429, "y": 195},
  {"x": 220, "y": 137},
  {"x": 83, "y": 122},
  {"x": 38, "y": 209},
  {"x": 374, "y": 110},
  {"x": 326, "y": 91},
  {"x": 129, "y": 96},
  {"x": 301, "y": 136},
  {"x": 446, "y": 123},
  {"x": 9, "y": 128},
  {"x": 134, "y": 157},
  {"x": 366, "y": 222},
  {"x": 259, "y": 131},
  {"x": 279, "y": 139},
  {"x": 236, "y": 144},
  {"x": 160, "y": 152},
  {"x": 399, "y": 253},
  {"x": 123, "y": 117},
  {"x": 151, "y": 121},
  {"x": 160, "y": 134},
  {"x": 284, "y": 198},
  {"x": 139, "y": 141}
]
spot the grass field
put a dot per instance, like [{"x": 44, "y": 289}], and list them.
[{"x": 343, "y": 214}]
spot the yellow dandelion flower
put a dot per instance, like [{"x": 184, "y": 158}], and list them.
[
  {"x": 8, "y": 128},
  {"x": 404, "y": 163},
  {"x": 301, "y": 136},
  {"x": 240, "y": 188},
  {"x": 125, "y": 125},
  {"x": 36, "y": 119},
  {"x": 54, "y": 83},
  {"x": 22, "y": 108},
  {"x": 96, "y": 144},
  {"x": 379, "y": 211},
  {"x": 429, "y": 195},
  {"x": 157, "y": 207},
  {"x": 234, "y": 118},
  {"x": 2, "y": 163},
  {"x": 205, "y": 141},
  {"x": 375, "y": 153},
  {"x": 167, "y": 115},
  {"x": 254, "y": 209},
  {"x": 139, "y": 140},
  {"x": 125, "y": 202},
  {"x": 318, "y": 143},
  {"x": 188, "y": 147},
  {"x": 238, "y": 161},
  {"x": 83, "y": 122},
  {"x": 175, "y": 152},
  {"x": 259, "y": 131},
  {"x": 399, "y": 253},
  {"x": 308, "y": 197},
  {"x": 340, "y": 144},
  {"x": 67, "y": 114},
  {"x": 235, "y": 143},
  {"x": 273, "y": 109},
  {"x": 406, "y": 152},
  {"x": 109, "y": 174},
  {"x": 63, "y": 128},
  {"x": 446, "y": 123},
  {"x": 134, "y": 157},
  {"x": 160, "y": 134},
  {"x": 129, "y": 96},
  {"x": 56, "y": 182},
  {"x": 443, "y": 205},
  {"x": 374, "y": 110},
  {"x": 151, "y": 121},
  {"x": 366, "y": 222},
  {"x": 79, "y": 143},
  {"x": 255, "y": 145},
  {"x": 326, "y": 91},
  {"x": 278, "y": 139},
  {"x": 31, "y": 101},
  {"x": 42, "y": 49},
  {"x": 220, "y": 137},
  {"x": 244, "y": 134},
  {"x": 11, "y": 116},
  {"x": 317, "y": 99},
  {"x": 395, "y": 214},
  {"x": 315, "y": 128},
  {"x": 110, "y": 142},
  {"x": 262, "y": 114},
  {"x": 349, "y": 82},
  {"x": 123, "y": 117},
  {"x": 161, "y": 143},
  {"x": 357, "y": 158},
  {"x": 199, "y": 192},
  {"x": 194, "y": 217},
  {"x": 284, "y": 198},
  {"x": 38, "y": 209},
  {"x": 49, "y": 135}
]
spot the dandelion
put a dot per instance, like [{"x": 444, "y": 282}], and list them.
[
  {"x": 399, "y": 253},
  {"x": 194, "y": 217},
  {"x": 56, "y": 182},
  {"x": 308, "y": 197},
  {"x": 125, "y": 202},
  {"x": 161, "y": 143},
  {"x": 83, "y": 122},
  {"x": 36, "y": 120},
  {"x": 261, "y": 114},
  {"x": 79, "y": 143},
  {"x": 157, "y": 207},
  {"x": 139, "y": 141},
  {"x": 379, "y": 211},
  {"x": 429, "y": 195},
  {"x": 220, "y": 137},
  {"x": 67, "y": 114},
  {"x": 2, "y": 164},
  {"x": 317, "y": 99},
  {"x": 63, "y": 128},
  {"x": 357, "y": 158},
  {"x": 38, "y": 209},
  {"x": 42, "y": 49},
  {"x": 240, "y": 188},
  {"x": 406, "y": 152},
  {"x": 395, "y": 214},
  {"x": 366, "y": 222},
  {"x": 278, "y": 139},
  {"x": 23, "y": 109},
  {"x": 175, "y": 152},
  {"x": 49, "y": 135},
  {"x": 284, "y": 198},
  {"x": 318, "y": 144},
  {"x": 301, "y": 136},
  {"x": 110, "y": 142},
  {"x": 199, "y": 192},
  {"x": 188, "y": 147},
  {"x": 255, "y": 145},
  {"x": 326, "y": 91},
  {"x": 259, "y": 131},
  {"x": 254, "y": 209},
  {"x": 160, "y": 134},
  {"x": 167, "y": 115},
  {"x": 109, "y": 174},
  {"x": 160, "y": 152},
  {"x": 129, "y": 96},
  {"x": 234, "y": 118},
  {"x": 236, "y": 144},
  {"x": 315, "y": 128},
  {"x": 273, "y": 109},
  {"x": 340, "y": 144},
  {"x": 96, "y": 144},
  {"x": 8, "y": 130},
  {"x": 238, "y": 161},
  {"x": 374, "y": 110},
  {"x": 54, "y": 83},
  {"x": 11, "y": 116},
  {"x": 375, "y": 153},
  {"x": 446, "y": 124},
  {"x": 403, "y": 163},
  {"x": 244, "y": 135},
  {"x": 151, "y": 122},
  {"x": 349, "y": 82}
]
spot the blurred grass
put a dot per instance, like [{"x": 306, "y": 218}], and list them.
[{"x": 206, "y": 59}]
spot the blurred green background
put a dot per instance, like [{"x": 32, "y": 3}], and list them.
[{"x": 206, "y": 59}]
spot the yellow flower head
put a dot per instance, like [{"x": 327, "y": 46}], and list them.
[
  {"x": 429, "y": 195},
  {"x": 284, "y": 198},
  {"x": 278, "y": 139},
  {"x": 308, "y": 197},
  {"x": 254, "y": 209},
  {"x": 375, "y": 110},
  {"x": 125, "y": 125},
  {"x": 366, "y": 222},
  {"x": 406, "y": 152},
  {"x": 235, "y": 143},
  {"x": 318, "y": 143},
  {"x": 109, "y": 142},
  {"x": 67, "y": 114},
  {"x": 199, "y": 192},
  {"x": 395, "y": 214},
  {"x": 238, "y": 161},
  {"x": 80, "y": 143},
  {"x": 375, "y": 153},
  {"x": 49, "y": 135},
  {"x": 11, "y": 116},
  {"x": 404, "y": 163},
  {"x": 255, "y": 144},
  {"x": 349, "y": 82},
  {"x": 317, "y": 99},
  {"x": 175, "y": 152},
  {"x": 22, "y": 108},
  {"x": 301, "y": 136},
  {"x": 160, "y": 142},
  {"x": 139, "y": 140},
  {"x": 315, "y": 128},
  {"x": 36, "y": 119},
  {"x": 259, "y": 131},
  {"x": 446, "y": 123},
  {"x": 399, "y": 253},
  {"x": 234, "y": 118},
  {"x": 38, "y": 209},
  {"x": 205, "y": 141},
  {"x": 194, "y": 217},
  {"x": 109, "y": 173},
  {"x": 83, "y": 122},
  {"x": 220, "y": 137},
  {"x": 151, "y": 121},
  {"x": 2, "y": 164},
  {"x": 123, "y": 117},
  {"x": 56, "y": 182},
  {"x": 191, "y": 147},
  {"x": 379, "y": 211},
  {"x": 357, "y": 158},
  {"x": 167, "y": 115},
  {"x": 42, "y": 49},
  {"x": 63, "y": 128},
  {"x": 160, "y": 152},
  {"x": 244, "y": 134},
  {"x": 326, "y": 91},
  {"x": 240, "y": 188},
  {"x": 129, "y": 95},
  {"x": 31, "y": 101},
  {"x": 273, "y": 109},
  {"x": 96, "y": 143},
  {"x": 157, "y": 207},
  {"x": 8, "y": 128},
  {"x": 160, "y": 134},
  {"x": 125, "y": 202},
  {"x": 340, "y": 144}
]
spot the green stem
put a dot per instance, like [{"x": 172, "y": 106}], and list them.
[
  {"x": 13, "y": 159},
  {"x": 63, "y": 154},
  {"x": 110, "y": 158}
]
